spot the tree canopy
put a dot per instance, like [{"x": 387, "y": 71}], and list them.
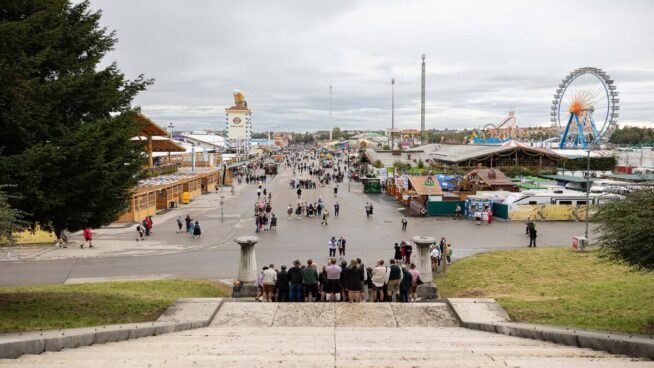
[
  {"x": 66, "y": 121},
  {"x": 10, "y": 219},
  {"x": 632, "y": 135},
  {"x": 626, "y": 229}
]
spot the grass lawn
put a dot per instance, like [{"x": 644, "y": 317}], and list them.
[
  {"x": 64, "y": 306},
  {"x": 557, "y": 286}
]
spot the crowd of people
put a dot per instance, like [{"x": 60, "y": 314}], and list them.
[{"x": 339, "y": 281}]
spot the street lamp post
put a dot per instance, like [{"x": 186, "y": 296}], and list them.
[
  {"x": 349, "y": 174},
  {"x": 170, "y": 129},
  {"x": 392, "y": 113},
  {"x": 222, "y": 197},
  {"x": 587, "y": 193}
]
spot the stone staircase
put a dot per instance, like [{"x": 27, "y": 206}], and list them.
[{"x": 329, "y": 335}]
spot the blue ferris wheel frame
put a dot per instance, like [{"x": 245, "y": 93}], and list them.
[{"x": 580, "y": 137}]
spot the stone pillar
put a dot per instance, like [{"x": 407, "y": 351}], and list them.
[
  {"x": 247, "y": 269},
  {"x": 428, "y": 289}
]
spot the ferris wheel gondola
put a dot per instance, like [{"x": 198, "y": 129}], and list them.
[{"x": 585, "y": 108}]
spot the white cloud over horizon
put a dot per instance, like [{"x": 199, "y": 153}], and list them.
[{"x": 483, "y": 59}]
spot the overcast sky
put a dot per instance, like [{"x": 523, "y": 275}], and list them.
[{"x": 483, "y": 59}]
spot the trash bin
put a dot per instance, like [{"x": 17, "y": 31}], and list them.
[{"x": 579, "y": 242}]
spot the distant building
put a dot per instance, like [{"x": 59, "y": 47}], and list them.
[
  {"x": 210, "y": 142},
  {"x": 471, "y": 156},
  {"x": 239, "y": 123}
]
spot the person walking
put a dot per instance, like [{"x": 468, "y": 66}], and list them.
[
  {"x": 259, "y": 192},
  {"x": 448, "y": 253},
  {"x": 337, "y": 207},
  {"x": 299, "y": 193},
  {"x": 189, "y": 224},
  {"x": 341, "y": 247},
  {"x": 478, "y": 217},
  {"x": 394, "y": 279},
  {"x": 367, "y": 209},
  {"x": 404, "y": 223},
  {"x": 332, "y": 246},
  {"x": 196, "y": 230},
  {"x": 282, "y": 285},
  {"x": 140, "y": 233},
  {"x": 532, "y": 235},
  {"x": 289, "y": 211},
  {"x": 295, "y": 278},
  {"x": 332, "y": 286},
  {"x": 405, "y": 285},
  {"x": 335, "y": 191},
  {"x": 310, "y": 282},
  {"x": 88, "y": 238},
  {"x": 180, "y": 223},
  {"x": 528, "y": 225},
  {"x": 273, "y": 223},
  {"x": 146, "y": 226},
  {"x": 325, "y": 217},
  {"x": 408, "y": 249}
]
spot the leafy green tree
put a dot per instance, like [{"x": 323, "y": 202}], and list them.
[
  {"x": 632, "y": 135},
  {"x": 10, "y": 219},
  {"x": 626, "y": 230},
  {"x": 67, "y": 151}
]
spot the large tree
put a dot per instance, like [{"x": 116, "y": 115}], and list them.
[
  {"x": 626, "y": 229},
  {"x": 66, "y": 122},
  {"x": 10, "y": 219}
]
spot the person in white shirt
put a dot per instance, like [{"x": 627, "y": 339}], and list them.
[
  {"x": 379, "y": 278},
  {"x": 269, "y": 281},
  {"x": 434, "y": 254},
  {"x": 478, "y": 217},
  {"x": 332, "y": 246}
]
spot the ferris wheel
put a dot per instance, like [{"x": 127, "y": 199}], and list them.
[{"x": 585, "y": 108}]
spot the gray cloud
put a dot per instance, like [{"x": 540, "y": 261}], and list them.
[{"x": 483, "y": 58}]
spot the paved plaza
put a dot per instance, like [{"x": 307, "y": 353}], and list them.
[{"x": 117, "y": 254}]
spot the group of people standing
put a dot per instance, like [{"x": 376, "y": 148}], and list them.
[
  {"x": 335, "y": 282},
  {"x": 483, "y": 216},
  {"x": 144, "y": 228}
]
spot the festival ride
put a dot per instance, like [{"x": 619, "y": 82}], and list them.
[
  {"x": 499, "y": 133},
  {"x": 585, "y": 108}
]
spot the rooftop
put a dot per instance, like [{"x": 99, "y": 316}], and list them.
[
  {"x": 631, "y": 177},
  {"x": 452, "y": 153},
  {"x": 422, "y": 186},
  {"x": 567, "y": 178}
]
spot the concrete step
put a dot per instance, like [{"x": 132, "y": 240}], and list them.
[{"x": 323, "y": 334}]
